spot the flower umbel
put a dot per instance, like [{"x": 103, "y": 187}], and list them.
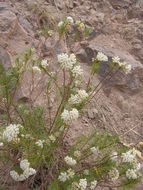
[
  {"x": 70, "y": 161},
  {"x": 114, "y": 174},
  {"x": 70, "y": 116},
  {"x": 101, "y": 57},
  {"x": 11, "y": 132},
  {"x": 129, "y": 156},
  {"x": 27, "y": 171}
]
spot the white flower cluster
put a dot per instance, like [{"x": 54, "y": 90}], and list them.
[
  {"x": 116, "y": 59},
  {"x": 126, "y": 66},
  {"x": 60, "y": 24},
  {"x": 27, "y": 171},
  {"x": 11, "y": 132},
  {"x": 52, "y": 138},
  {"x": 131, "y": 174},
  {"x": 77, "y": 153},
  {"x": 70, "y": 116},
  {"x": 79, "y": 97},
  {"x": 68, "y": 20},
  {"x": 62, "y": 177},
  {"x": 77, "y": 71},
  {"x": 82, "y": 184},
  {"x": 95, "y": 150},
  {"x": 50, "y": 32},
  {"x": 80, "y": 25},
  {"x": 40, "y": 143},
  {"x": 36, "y": 69},
  {"x": 128, "y": 69},
  {"x": 93, "y": 185},
  {"x": 66, "y": 175},
  {"x": 114, "y": 174},
  {"x": 136, "y": 165},
  {"x": 129, "y": 156},
  {"x": 44, "y": 63},
  {"x": 101, "y": 57},
  {"x": 70, "y": 161},
  {"x": 67, "y": 61}
]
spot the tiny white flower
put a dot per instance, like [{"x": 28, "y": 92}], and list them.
[
  {"x": 82, "y": 184},
  {"x": 116, "y": 59},
  {"x": 22, "y": 177},
  {"x": 131, "y": 174},
  {"x": 136, "y": 165},
  {"x": 101, "y": 57},
  {"x": 70, "y": 19},
  {"x": 74, "y": 99},
  {"x": 29, "y": 172},
  {"x": 77, "y": 71},
  {"x": 32, "y": 171},
  {"x": 129, "y": 156},
  {"x": 128, "y": 69},
  {"x": 24, "y": 164},
  {"x": 70, "y": 116},
  {"x": 65, "y": 116},
  {"x": 114, "y": 174},
  {"x": 122, "y": 64},
  {"x": 80, "y": 25},
  {"x": 72, "y": 59},
  {"x": 40, "y": 143},
  {"x": 63, "y": 58},
  {"x": 77, "y": 153},
  {"x": 70, "y": 173},
  {"x": 70, "y": 161},
  {"x": 93, "y": 185},
  {"x": 74, "y": 114},
  {"x": 60, "y": 24},
  {"x": 75, "y": 185},
  {"x": 77, "y": 22},
  {"x": 95, "y": 150},
  {"x": 82, "y": 94},
  {"x": 50, "y": 32},
  {"x": 14, "y": 175},
  {"x": 66, "y": 62},
  {"x": 62, "y": 177},
  {"x": 11, "y": 132},
  {"x": 52, "y": 74},
  {"x": 52, "y": 138},
  {"x": 36, "y": 69},
  {"x": 44, "y": 63}
]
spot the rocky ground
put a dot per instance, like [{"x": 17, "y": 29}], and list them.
[{"x": 118, "y": 30}]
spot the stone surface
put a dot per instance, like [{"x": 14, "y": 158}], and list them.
[{"x": 5, "y": 58}]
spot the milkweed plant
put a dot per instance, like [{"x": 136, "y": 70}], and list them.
[{"x": 32, "y": 138}]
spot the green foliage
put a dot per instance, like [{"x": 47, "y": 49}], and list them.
[
  {"x": 129, "y": 185},
  {"x": 46, "y": 32},
  {"x": 95, "y": 67},
  {"x": 38, "y": 134},
  {"x": 8, "y": 82}
]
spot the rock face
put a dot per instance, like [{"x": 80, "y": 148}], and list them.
[{"x": 5, "y": 58}]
